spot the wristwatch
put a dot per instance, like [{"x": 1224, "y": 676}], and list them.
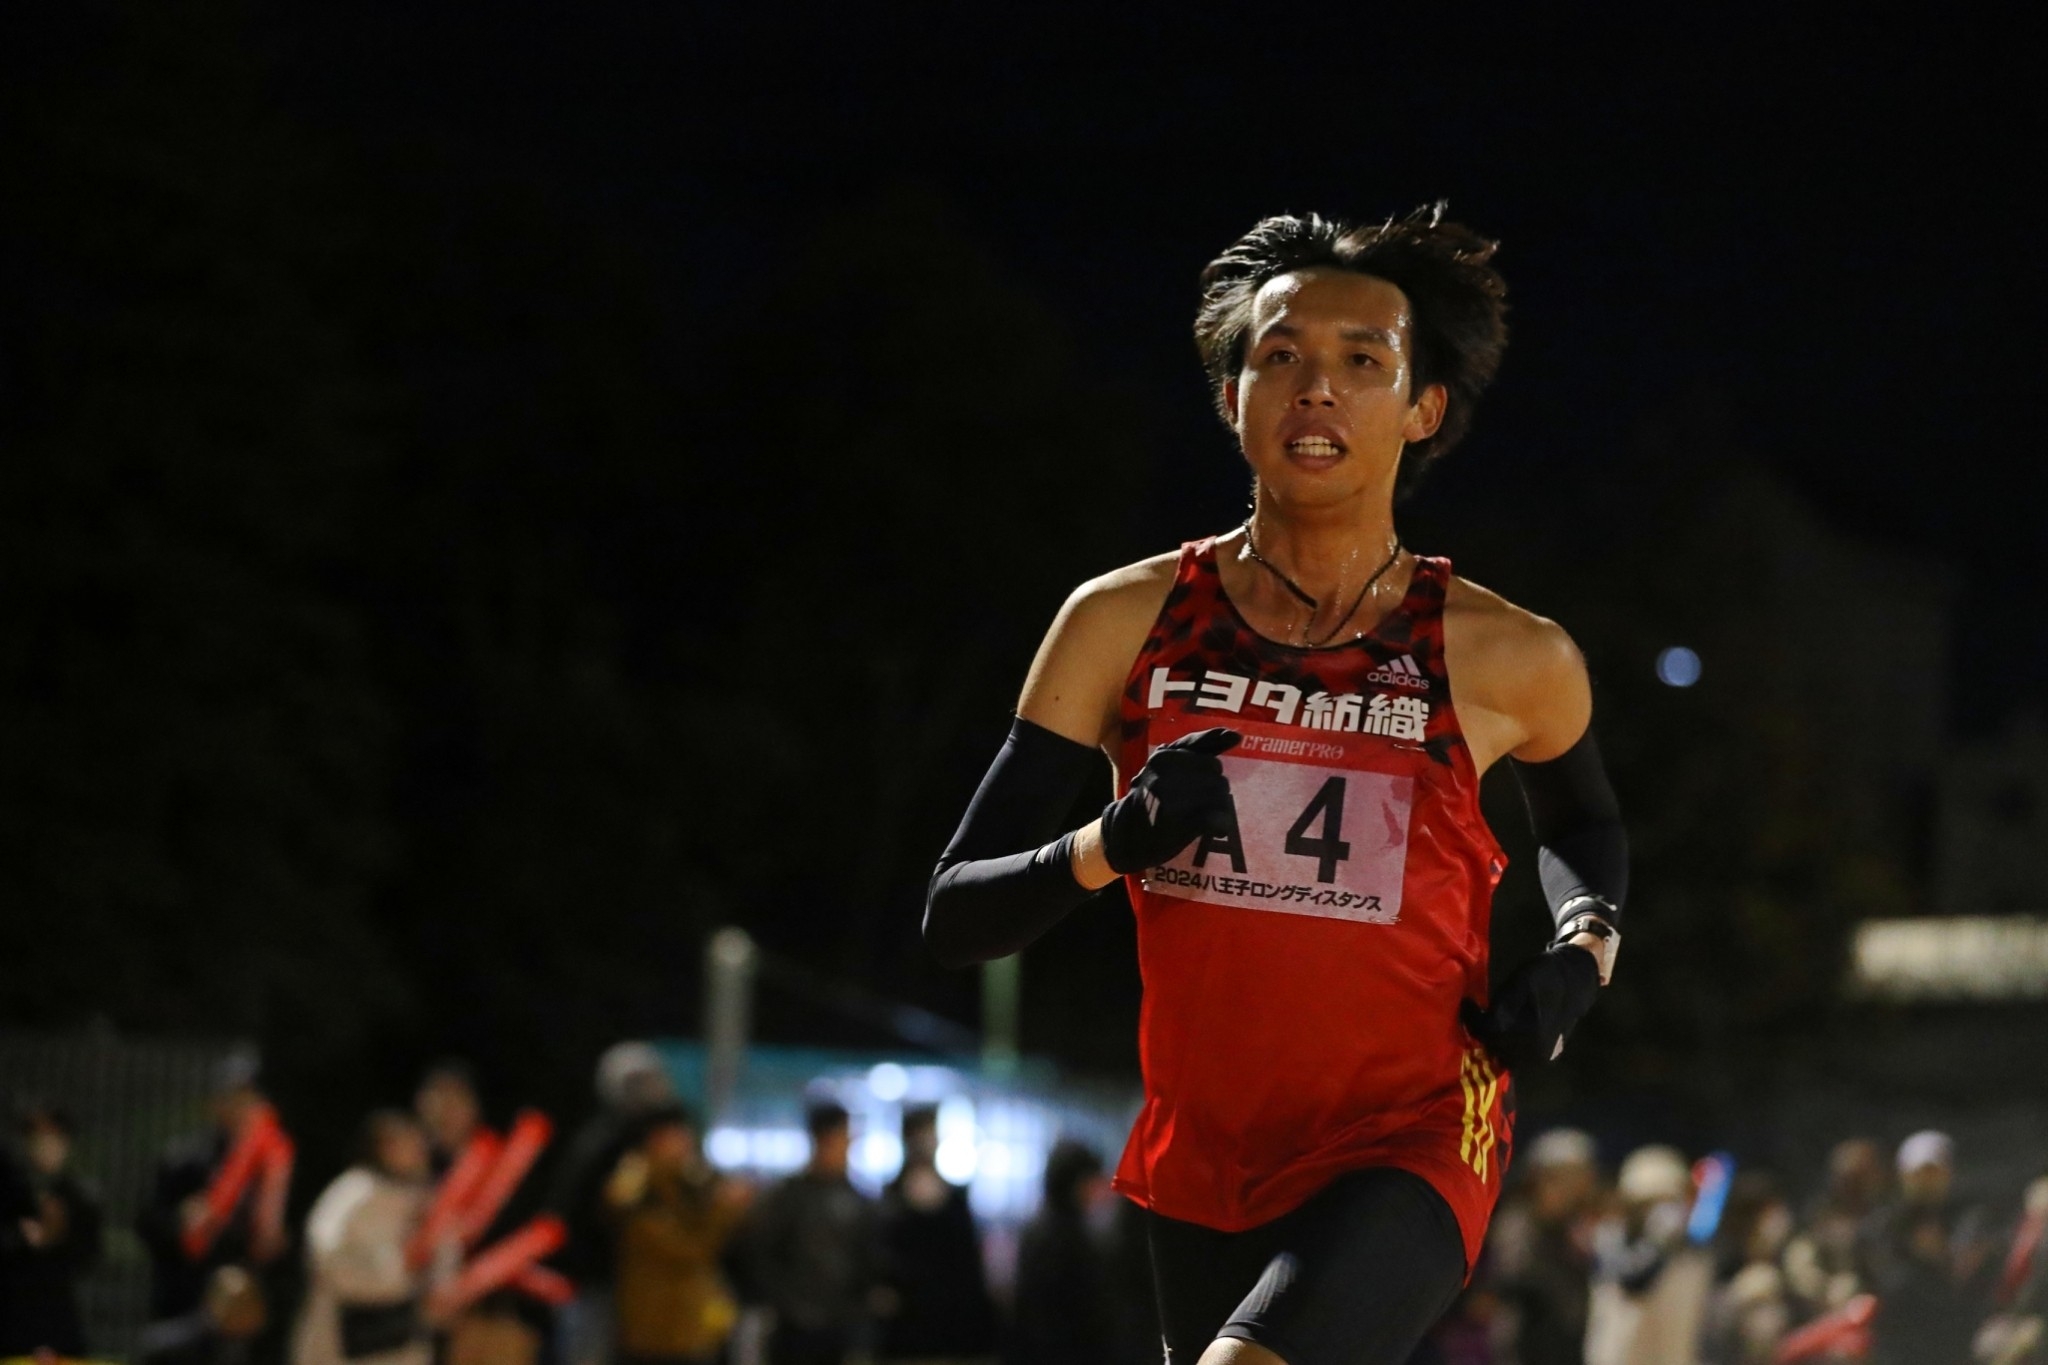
[{"x": 1590, "y": 921}]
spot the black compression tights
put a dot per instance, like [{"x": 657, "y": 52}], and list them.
[{"x": 1355, "y": 1276}]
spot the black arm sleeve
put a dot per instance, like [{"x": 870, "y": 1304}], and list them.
[
  {"x": 988, "y": 899},
  {"x": 1582, "y": 849}
]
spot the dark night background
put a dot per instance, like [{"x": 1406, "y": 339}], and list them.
[{"x": 490, "y": 494}]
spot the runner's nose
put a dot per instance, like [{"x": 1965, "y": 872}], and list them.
[{"x": 1316, "y": 391}]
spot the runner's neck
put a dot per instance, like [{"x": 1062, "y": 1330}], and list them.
[{"x": 1329, "y": 555}]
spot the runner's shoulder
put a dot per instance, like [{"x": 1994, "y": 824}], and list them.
[
  {"x": 1493, "y": 637},
  {"x": 1123, "y": 601},
  {"x": 1079, "y": 672}
]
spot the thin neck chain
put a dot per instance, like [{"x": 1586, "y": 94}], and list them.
[{"x": 1251, "y": 547}]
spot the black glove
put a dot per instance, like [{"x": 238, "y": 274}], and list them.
[
  {"x": 1536, "y": 1006},
  {"x": 1178, "y": 796}
]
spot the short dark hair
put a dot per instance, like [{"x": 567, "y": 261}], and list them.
[
  {"x": 920, "y": 1118},
  {"x": 1457, "y": 303},
  {"x": 1069, "y": 1165},
  {"x": 35, "y": 1112},
  {"x": 674, "y": 1114},
  {"x": 826, "y": 1116},
  {"x": 453, "y": 1070},
  {"x": 379, "y": 1125}
]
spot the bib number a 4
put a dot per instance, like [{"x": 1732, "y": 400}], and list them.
[{"x": 1308, "y": 837}]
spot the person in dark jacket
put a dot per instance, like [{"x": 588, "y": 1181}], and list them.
[
  {"x": 1929, "y": 1260},
  {"x": 1063, "y": 1314},
  {"x": 49, "y": 1236},
  {"x": 632, "y": 1082},
  {"x": 813, "y": 1251},
  {"x": 938, "y": 1303},
  {"x": 1540, "y": 1261},
  {"x": 182, "y": 1285}
]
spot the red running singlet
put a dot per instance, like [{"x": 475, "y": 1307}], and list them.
[{"x": 1303, "y": 973}]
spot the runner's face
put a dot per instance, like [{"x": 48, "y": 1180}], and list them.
[{"x": 1326, "y": 399}]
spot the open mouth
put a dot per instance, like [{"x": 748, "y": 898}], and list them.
[{"x": 1315, "y": 448}]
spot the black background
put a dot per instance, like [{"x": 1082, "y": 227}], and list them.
[{"x": 492, "y": 493}]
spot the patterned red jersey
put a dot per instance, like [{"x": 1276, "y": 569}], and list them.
[{"x": 1304, "y": 971}]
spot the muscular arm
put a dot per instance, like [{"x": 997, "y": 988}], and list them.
[
  {"x": 1582, "y": 848},
  {"x": 1521, "y": 690},
  {"x": 1520, "y": 687},
  {"x": 1518, "y": 681},
  {"x": 1078, "y": 675},
  {"x": 1000, "y": 883},
  {"x": 1076, "y": 680},
  {"x": 1010, "y": 874}
]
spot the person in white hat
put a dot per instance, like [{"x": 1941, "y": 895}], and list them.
[
  {"x": 1651, "y": 1284},
  {"x": 1928, "y": 1260}
]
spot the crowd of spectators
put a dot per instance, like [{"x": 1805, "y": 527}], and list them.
[
  {"x": 1676, "y": 1262},
  {"x": 441, "y": 1245}
]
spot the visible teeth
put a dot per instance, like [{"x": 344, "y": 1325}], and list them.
[{"x": 1314, "y": 445}]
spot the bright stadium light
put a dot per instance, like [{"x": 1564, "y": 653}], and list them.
[
  {"x": 726, "y": 1147},
  {"x": 1959, "y": 957},
  {"x": 958, "y": 1156},
  {"x": 1678, "y": 667},
  {"x": 878, "y": 1156},
  {"x": 888, "y": 1082}
]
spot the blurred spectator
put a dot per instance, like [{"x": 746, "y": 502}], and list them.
[
  {"x": 1650, "y": 1285},
  {"x": 2017, "y": 1334},
  {"x": 632, "y": 1081},
  {"x": 363, "y": 1302},
  {"x": 1063, "y": 1315},
  {"x": 1823, "y": 1260},
  {"x": 1750, "y": 1309},
  {"x": 813, "y": 1251},
  {"x": 223, "y": 1328},
  {"x": 1468, "y": 1333},
  {"x": 674, "y": 1215},
  {"x": 1540, "y": 1250},
  {"x": 1929, "y": 1261},
  {"x": 939, "y": 1308},
  {"x": 449, "y": 1111},
  {"x": 201, "y": 1310},
  {"x": 49, "y": 1236}
]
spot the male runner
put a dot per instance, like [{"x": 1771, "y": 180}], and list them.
[{"x": 1299, "y": 712}]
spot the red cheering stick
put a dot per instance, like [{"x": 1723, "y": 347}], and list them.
[
  {"x": 549, "y": 1286},
  {"x": 223, "y": 1194},
  {"x": 1843, "y": 1332},
  {"x": 530, "y": 1133},
  {"x": 457, "y": 1189},
  {"x": 503, "y": 1263},
  {"x": 2020, "y": 1261},
  {"x": 273, "y": 1185}
]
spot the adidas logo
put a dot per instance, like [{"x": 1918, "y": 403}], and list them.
[{"x": 1402, "y": 672}]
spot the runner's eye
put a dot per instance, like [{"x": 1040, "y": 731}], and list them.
[
  {"x": 1279, "y": 355},
  {"x": 1363, "y": 358}
]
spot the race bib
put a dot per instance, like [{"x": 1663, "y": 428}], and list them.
[{"x": 1316, "y": 832}]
